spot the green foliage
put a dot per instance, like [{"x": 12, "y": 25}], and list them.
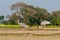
[
  {"x": 4, "y": 22},
  {"x": 32, "y": 15},
  {"x": 9, "y": 22},
  {"x": 1, "y": 18},
  {"x": 12, "y": 22},
  {"x": 56, "y": 17},
  {"x": 56, "y": 13}
]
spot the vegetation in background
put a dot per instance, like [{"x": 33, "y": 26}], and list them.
[
  {"x": 1, "y": 18},
  {"x": 31, "y": 15}
]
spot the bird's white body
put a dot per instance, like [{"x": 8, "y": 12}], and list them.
[
  {"x": 43, "y": 23},
  {"x": 22, "y": 24}
]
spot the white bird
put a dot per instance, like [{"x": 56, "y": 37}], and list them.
[
  {"x": 22, "y": 24},
  {"x": 43, "y": 23}
]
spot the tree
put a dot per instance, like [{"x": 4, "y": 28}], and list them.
[
  {"x": 5, "y": 22},
  {"x": 13, "y": 18},
  {"x": 34, "y": 15},
  {"x": 19, "y": 10},
  {"x": 28, "y": 14},
  {"x": 1, "y": 18},
  {"x": 18, "y": 7},
  {"x": 56, "y": 15}
]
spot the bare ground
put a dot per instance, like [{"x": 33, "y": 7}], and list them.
[
  {"x": 29, "y": 37},
  {"x": 29, "y": 34}
]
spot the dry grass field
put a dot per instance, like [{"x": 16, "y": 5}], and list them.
[
  {"x": 29, "y": 34},
  {"x": 28, "y": 37}
]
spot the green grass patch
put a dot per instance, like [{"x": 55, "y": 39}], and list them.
[
  {"x": 45, "y": 27},
  {"x": 52, "y": 26},
  {"x": 33, "y": 27},
  {"x": 10, "y": 26}
]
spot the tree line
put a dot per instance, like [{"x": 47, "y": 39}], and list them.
[{"x": 31, "y": 15}]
